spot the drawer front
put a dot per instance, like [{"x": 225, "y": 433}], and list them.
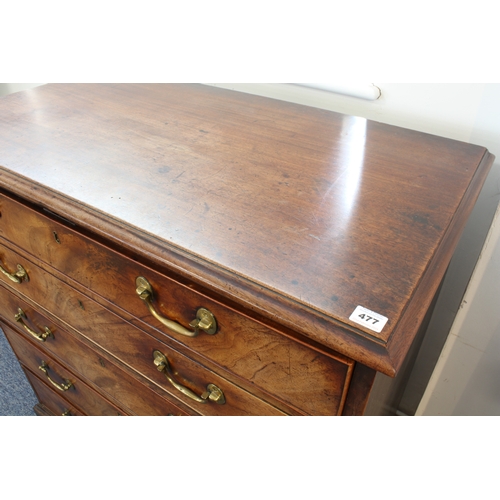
[
  {"x": 296, "y": 374},
  {"x": 115, "y": 383},
  {"x": 54, "y": 375},
  {"x": 50, "y": 399},
  {"x": 127, "y": 343}
]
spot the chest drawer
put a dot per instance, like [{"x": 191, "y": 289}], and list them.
[
  {"x": 50, "y": 400},
  {"x": 102, "y": 372},
  {"x": 301, "y": 376},
  {"x": 57, "y": 377},
  {"x": 129, "y": 345}
]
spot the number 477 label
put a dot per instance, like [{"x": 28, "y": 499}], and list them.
[{"x": 368, "y": 319}]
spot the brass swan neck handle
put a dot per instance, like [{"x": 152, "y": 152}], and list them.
[
  {"x": 213, "y": 393},
  {"x": 19, "y": 276},
  {"x": 204, "y": 321}
]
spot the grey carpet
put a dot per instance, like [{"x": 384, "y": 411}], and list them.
[{"x": 16, "y": 395}]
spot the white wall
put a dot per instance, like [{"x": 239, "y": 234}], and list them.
[
  {"x": 466, "y": 379},
  {"x": 9, "y": 88}
]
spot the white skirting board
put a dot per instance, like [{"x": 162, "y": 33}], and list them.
[{"x": 466, "y": 378}]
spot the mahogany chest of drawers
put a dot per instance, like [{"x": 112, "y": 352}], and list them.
[{"x": 186, "y": 250}]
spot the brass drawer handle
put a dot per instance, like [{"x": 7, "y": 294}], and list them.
[
  {"x": 62, "y": 387},
  {"x": 213, "y": 393},
  {"x": 17, "y": 277},
  {"x": 42, "y": 337},
  {"x": 205, "y": 320}
]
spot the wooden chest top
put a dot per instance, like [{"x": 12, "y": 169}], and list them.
[{"x": 297, "y": 214}]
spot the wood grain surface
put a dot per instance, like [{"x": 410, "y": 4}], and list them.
[{"x": 296, "y": 213}]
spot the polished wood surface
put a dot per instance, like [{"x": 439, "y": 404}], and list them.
[
  {"x": 280, "y": 219},
  {"x": 314, "y": 212},
  {"x": 79, "y": 394},
  {"x": 42, "y": 411},
  {"x": 52, "y": 404},
  {"x": 117, "y": 384},
  {"x": 316, "y": 384}
]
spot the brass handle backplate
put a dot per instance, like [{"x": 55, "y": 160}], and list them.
[
  {"x": 44, "y": 367},
  {"x": 213, "y": 393},
  {"x": 204, "y": 320},
  {"x": 17, "y": 277},
  {"x": 42, "y": 336}
]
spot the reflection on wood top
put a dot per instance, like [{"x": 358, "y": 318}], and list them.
[{"x": 300, "y": 214}]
